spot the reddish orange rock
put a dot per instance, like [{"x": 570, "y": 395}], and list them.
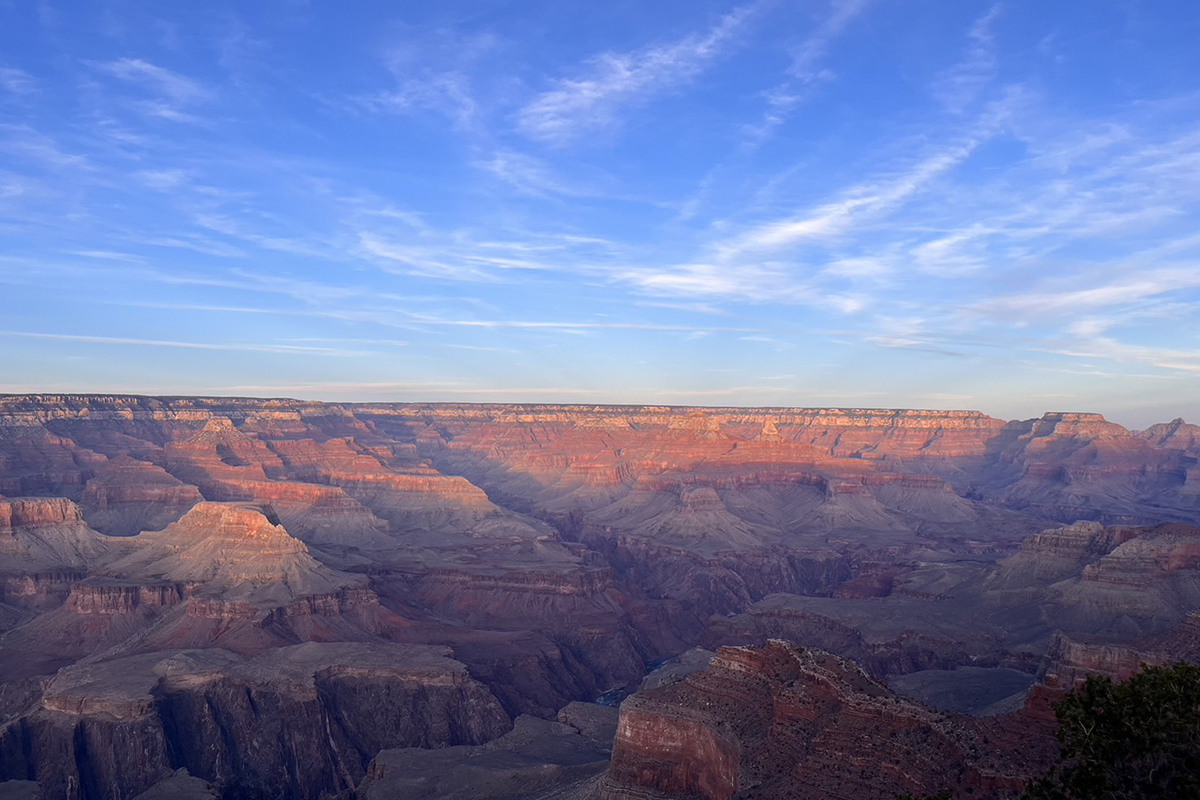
[{"x": 786, "y": 723}]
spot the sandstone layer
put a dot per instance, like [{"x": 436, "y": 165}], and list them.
[
  {"x": 549, "y": 554},
  {"x": 783, "y": 722}
]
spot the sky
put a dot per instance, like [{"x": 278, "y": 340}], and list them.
[{"x": 867, "y": 203}]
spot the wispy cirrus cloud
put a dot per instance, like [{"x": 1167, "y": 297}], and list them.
[
  {"x": 34, "y": 146},
  {"x": 529, "y": 175},
  {"x": 446, "y": 93},
  {"x": 613, "y": 82},
  {"x": 460, "y": 261},
  {"x": 436, "y": 72},
  {"x": 1111, "y": 349},
  {"x": 172, "y": 95},
  {"x": 855, "y": 204},
  {"x": 1147, "y": 283},
  {"x": 279, "y": 349},
  {"x": 172, "y": 84},
  {"x": 803, "y": 80},
  {"x": 806, "y": 73},
  {"x": 17, "y": 81},
  {"x": 754, "y": 263},
  {"x": 756, "y": 283},
  {"x": 808, "y": 55},
  {"x": 959, "y": 86}
]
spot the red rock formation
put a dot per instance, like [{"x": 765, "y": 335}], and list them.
[
  {"x": 128, "y": 496},
  {"x": 34, "y": 461},
  {"x": 220, "y": 453},
  {"x": 45, "y": 534},
  {"x": 559, "y": 548},
  {"x": 110, "y": 598},
  {"x": 786, "y": 723},
  {"x": 1173, "y": 435},
  {"x": 1079, "y": 466},
  {"x": 32, "y": 512},
  {"x": 1089, "y": 579},
  {"x": 1071, "y": 659},
  {"x": 303, "y": 720},
  {"x": 234, "y": 549}
]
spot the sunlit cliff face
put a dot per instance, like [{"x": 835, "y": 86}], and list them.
[{"x": 193, "y": 572}]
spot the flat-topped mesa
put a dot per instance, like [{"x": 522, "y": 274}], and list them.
[
  {"x": 1069, "y": 661},
  {"x": 330, "y": 707},
  {"x": 1150, "y": 555},
  {"x": 1071, "y": 423},
  {"x": 125, "y": 480},
  {"x": 32, "y": 512},
  {"x": 1061, "y": 433},
  {"x": 281, "y": 493},
  {"x": 282, "y": 415},
  {"x": 697, "y": 425},
  {"x": 419, "y": 482},
  {"x": 545, "y": 444},
  {"x": 48, "y": 407},
  {"x": 310, "y": 460},
  {"x": 552, "y": 412},
  {"x": 1055, "y": 554},
  {"x": 238, "y": 522},
  {"x": 703, "y": 498}
]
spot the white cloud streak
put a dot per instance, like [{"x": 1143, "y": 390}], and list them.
[
  {"x": 614, "y": 81},
  {"x": 1150, "y": 283},
  {"x": 816, "y": 45},
  {"x": 959, "y": 86},
  {"x": 862, "y": 201},
  {"x": 124, "y": 340},
  {"x": 176, "y": 87},
  {"x": 16, "y": 81}
]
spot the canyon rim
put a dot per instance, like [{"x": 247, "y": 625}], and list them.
[{"x": 264, "y": 598}]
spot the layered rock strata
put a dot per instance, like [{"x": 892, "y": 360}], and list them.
[
  {"x": 296, "y": 721},
  {"x": 781, "y": 722},
  {"x": 555, "y": 550}
]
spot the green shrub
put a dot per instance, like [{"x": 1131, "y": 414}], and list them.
[{"x": 1127, "y": 741}]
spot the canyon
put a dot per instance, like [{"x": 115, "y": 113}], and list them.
[{"x": 252, "y": 598}]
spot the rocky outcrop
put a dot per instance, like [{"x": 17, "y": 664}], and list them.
[
  {"x": 536, "y": 757},
  {"x": 886, "y": 638},
  {"x": 778, "y": 721},
  {"x": 39, "y": 590},
  {"x": 1089, "y": 579},
  {"x": 34, "y": 461},
  {"x": 1173, "y": 435},
  {"x": 30, "y": 512},
  {"x": 44, "y": 535},
  {"x": 1071, "y": 659},
  {"x": 295, "y": 722},
  {"x": 99, "y": 596},
  {"x": 235, "y": 550},
  {"x": 557, "y": 550},
  {"x": 128, "y": 496},
  {"x": 1079, "y": 466}
]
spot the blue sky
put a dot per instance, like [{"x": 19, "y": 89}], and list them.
[{"x": 904, "y": 203}]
